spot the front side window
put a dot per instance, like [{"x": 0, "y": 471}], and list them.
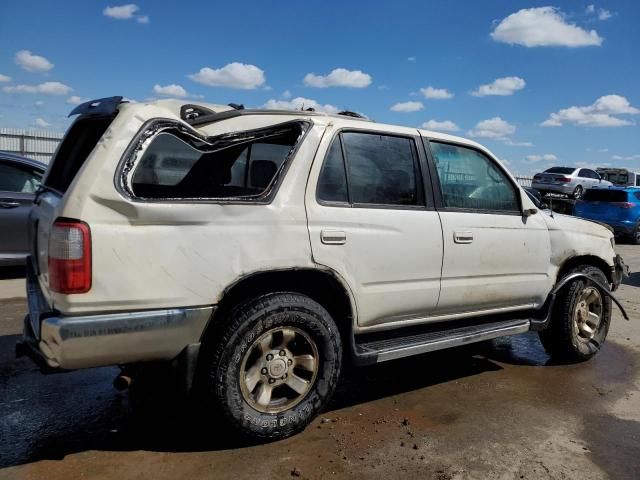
[
  {"x": 470, "y": 180},
  {"x": 19, "y": 180},
  {"x": 374, "y": 170},
  {"x": 244, "y": 165}
]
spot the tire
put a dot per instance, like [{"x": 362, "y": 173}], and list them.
[
  {"x": 578, "y": 192},
  {"x": 634, "y": 238},
  {"x": 239, "y": 349},
  {"x": 564, "y": 339}
]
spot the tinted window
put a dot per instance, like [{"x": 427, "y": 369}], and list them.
[
  {"x": 601, "y": 195},
  {"x": 332, "y": 183},
  {"x": 470, "y": 180},
  {"x": 173, "y": 167},
  {"x": 382, "y": 170},
  {"x": 637, "y": 195},
  {"x": 637, "y": 180},
  {"x": 562, "y": 170},
  {"x": 16, "y": 179}
]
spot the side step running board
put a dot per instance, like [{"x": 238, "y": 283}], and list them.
[{"x": 383, "y": 349}]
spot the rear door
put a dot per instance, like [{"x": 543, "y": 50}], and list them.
[
  {"x": 494, "y": 258},
  {"x": 371, "y": 221},
  {"x": 18, "y": 184}
]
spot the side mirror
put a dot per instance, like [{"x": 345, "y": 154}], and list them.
[{"x": 529, "y": 211}]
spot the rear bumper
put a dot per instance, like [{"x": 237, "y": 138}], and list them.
[
  {"x": 566, "y": 188},
  {"x": 55, "y": 341}
]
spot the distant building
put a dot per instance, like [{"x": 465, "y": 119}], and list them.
[{"x": 32, "y": 143}]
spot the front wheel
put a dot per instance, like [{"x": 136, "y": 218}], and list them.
[
  {"x": 580, "y": 320},
  {"x": 274, "y": 366}
]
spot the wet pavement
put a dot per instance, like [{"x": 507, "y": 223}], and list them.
[{"x": 498, "y": 409}]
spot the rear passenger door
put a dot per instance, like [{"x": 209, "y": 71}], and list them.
[
  {"x": 371, "y": 221},
  {"x": 495, "y": 259},
  {"x": 18, "y": 184}
]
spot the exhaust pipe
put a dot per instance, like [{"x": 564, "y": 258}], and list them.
[{"x": 122, "y": 382}]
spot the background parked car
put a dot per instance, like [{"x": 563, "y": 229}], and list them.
[
  {"x": 618, "y": 207},
  {"x": 620, "y": 176},
  {"x": 19, "y": 179},
  {"x": 567, "y": 180}
]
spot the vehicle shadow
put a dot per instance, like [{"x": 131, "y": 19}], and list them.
[
  {"x": 632, "y": 280},
  {"x": 80, "y": 411},
  {"x": 10, "y": 273}
]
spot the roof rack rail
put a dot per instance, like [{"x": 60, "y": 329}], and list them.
[
  {"x": 348, "y": 113},
  {"x": 190, "y": 113}
]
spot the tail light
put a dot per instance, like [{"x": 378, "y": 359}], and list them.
[
  {"x": 564, "y": 179},
  {"x": 624, "y": 204},
  {"x": 70, "y": 256}
]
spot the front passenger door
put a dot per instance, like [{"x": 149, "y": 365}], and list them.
[{"x": 494, "y": 258}]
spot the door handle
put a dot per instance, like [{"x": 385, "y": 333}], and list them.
[
  {"x": 463, "y": 237},
  {"x": 333, "y": 237},
  {"x": 9, "y": 204}
]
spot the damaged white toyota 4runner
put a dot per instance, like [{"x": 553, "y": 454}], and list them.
[{"x": 258, "y": 250}]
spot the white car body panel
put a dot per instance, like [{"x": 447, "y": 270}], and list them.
[{"x": 153, "y": 255}]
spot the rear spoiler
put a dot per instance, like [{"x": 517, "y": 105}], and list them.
[{"x": 102, "y": 106}]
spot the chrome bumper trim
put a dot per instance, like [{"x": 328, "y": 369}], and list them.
[{"x": 119, "y": 338}]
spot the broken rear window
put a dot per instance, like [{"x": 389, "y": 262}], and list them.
[{"x": 177, "y": 165}]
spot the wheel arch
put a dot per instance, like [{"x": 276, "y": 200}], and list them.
[
  {"x": 592, "y": 260},
  {"x": 322, "y": 285}
]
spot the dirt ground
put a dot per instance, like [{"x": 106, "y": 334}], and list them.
[{"x": 498, "y": 409}]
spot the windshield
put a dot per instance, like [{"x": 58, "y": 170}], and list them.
[{"x": 563, "y": 170}]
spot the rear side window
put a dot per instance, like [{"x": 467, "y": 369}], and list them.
[
  {"x": 598, "y": 195},
  {"x": 374, "y": 170},
  {"x": 78, "y": 143},
  {"x": 180, "y": 166},
  {"x": 470, "y": 180},
  {"x": 16, "y": 179}
]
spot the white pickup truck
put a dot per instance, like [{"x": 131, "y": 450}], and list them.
[{"x": 259, "y": 250}]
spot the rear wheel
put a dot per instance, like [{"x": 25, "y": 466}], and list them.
[
  {"x": 274, "y": 366},
  {"x": 635, "y": 236},
  {"x": 578, "y": 192},
  {"x": 580, "y": 320}
]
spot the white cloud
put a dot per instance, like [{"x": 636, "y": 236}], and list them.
[
  {"x": 590, "y": 8},
  {"x": 543, "y": 27},
  {"x": 143, "y": 19},
  {"x": 500, "y": 86},
  {"x": 513, "y": 143},
  {"x": 627, "y": 157},
  {"x": 604, "y": 14},
  {"x": 494, "y": 128},
  {"x": 444, "y": 126},
  {"x": 600, "y": 113},
  {"x": 299, "y": 103},
  {"x": 171, "y": 90},
  {"x": 46, "y": 88},
  {"x": 32, "y": 63},
  {"x": 407, "y": 107},
  {"x": 286, "y": 94},
  {"x": 41, "y": 123},
  {"x": 340, "y": 77},
  {"x": 436, "y": 93},
  {"x": 547, "y": 157},
  {"x": 121, "y": 12},
  {"x": 4, "y": 78},
  {"x": 76, "y": 100},
  {"x": 411, "y": 59},
  {"x": 233, "y": 75},
  {"x": 39, "y": 103}
]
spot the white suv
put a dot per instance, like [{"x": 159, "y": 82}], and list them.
[{"x": 257, "y": 250}]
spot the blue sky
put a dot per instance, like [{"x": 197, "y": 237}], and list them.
[{"x": 538, "y": 83}]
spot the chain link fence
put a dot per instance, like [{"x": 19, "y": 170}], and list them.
[{"x": 37, "y": 144}]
